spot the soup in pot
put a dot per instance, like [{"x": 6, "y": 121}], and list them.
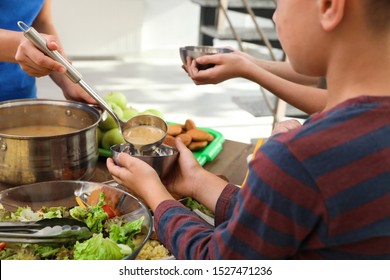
[{"x": 38, "y": 130}]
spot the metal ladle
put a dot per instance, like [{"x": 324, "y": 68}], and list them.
[{"x": 40, "y": 42}]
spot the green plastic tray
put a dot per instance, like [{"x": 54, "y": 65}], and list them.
[{"x": 204, "y": 155}]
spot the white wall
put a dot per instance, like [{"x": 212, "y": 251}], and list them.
[
  {"x": 169, "y": 24},
  {"x": 98, "y": 28}
]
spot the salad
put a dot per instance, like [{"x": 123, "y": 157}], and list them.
[
  {"x": 113, "y": 236},
  {"x": 195, "y": 205}
]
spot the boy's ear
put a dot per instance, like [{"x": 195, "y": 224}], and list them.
[{"x": 331, "y": 12}]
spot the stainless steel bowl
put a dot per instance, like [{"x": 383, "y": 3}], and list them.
[
  {"x": 162, "y": 159},
  {"x": 197, "y": 51},
  {"x": 64, "y": 193},
  {"x": 28, "y": 159}
]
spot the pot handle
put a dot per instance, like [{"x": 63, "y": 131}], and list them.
[
  {"x": 3, "y": 145},
  {"x": 101, "y": 110}
]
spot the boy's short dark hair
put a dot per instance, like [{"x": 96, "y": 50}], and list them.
[{"x": 378, "y": 14}]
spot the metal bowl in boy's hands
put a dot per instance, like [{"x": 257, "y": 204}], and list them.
[
  {"x": 197, "y": 51},
  {"x": 162, "y": 159}
]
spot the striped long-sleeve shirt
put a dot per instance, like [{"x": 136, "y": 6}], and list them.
[{"x": 318, "y": 192}]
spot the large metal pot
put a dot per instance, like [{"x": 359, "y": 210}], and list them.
[{"x": 31, "y": 159}]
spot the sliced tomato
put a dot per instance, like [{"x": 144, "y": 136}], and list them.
[
  {"x": 109, "y": 211},
  {"x": 2, "y": 246}
]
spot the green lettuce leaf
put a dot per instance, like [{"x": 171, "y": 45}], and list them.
[
  {"x": 93, "y": 216},
  {"x": 124, "y": 234},
  {"x": 97, "y": 248},
  {"x": 53, "y": 212},
  {"x": 24, "y": 214}
]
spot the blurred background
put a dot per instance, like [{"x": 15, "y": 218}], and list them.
[{"x": 132, "y": 46}]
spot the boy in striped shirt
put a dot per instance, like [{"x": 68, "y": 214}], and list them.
[{"x": 319, "y": 191}]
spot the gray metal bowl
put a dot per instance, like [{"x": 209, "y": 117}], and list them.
[
  {"x": 162, "y": 159},
  {"x": 197, "y": 51}
]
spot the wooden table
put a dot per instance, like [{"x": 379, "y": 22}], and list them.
[{"x": 231, "y": 162}]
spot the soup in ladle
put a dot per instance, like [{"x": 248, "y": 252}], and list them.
[{"x": 143, "y": 135}]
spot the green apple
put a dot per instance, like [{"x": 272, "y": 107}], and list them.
[
  {"x": 153, "y": 112},
  {"x": 109, "y": 121},
  {"x": 112, "y": 137},
  {"x": 128, "y": 113},
  {"x": 118, "y": 98},
  {"x": 99, "y": 134}
]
